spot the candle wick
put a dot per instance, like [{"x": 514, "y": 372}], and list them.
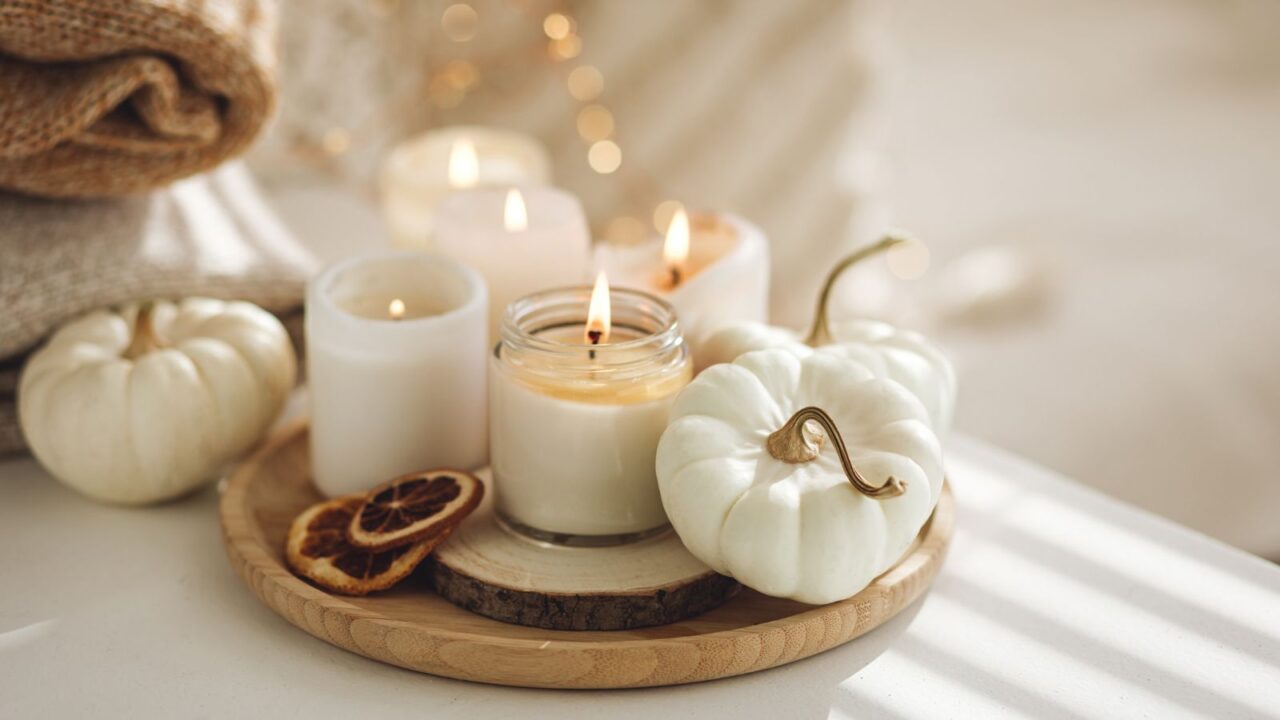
[
  {"x": 594, "y": 336},
  {"x": 675, "y": 275}
]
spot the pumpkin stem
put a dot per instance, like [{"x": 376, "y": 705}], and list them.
[
  {"x": 790, "y": 445},
  {"x": 145, "y": 337},
  {"x": 820, "y": 334}
]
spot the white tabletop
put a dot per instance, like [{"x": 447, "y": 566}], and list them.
[{"x": 1055, "y": 602}]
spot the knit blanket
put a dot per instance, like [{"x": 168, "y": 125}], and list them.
[
  {"x": 108, "y": 97},
  {"x": 212, "y": 235}
]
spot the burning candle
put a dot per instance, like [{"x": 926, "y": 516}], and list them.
[
  {"x": 520, "y": 239},
  {"x": 580, "y": 388},
  {"x": 422, "y": 171},
  {"x": 714, "y": 268},
  {"x": 395, "y": 344}
]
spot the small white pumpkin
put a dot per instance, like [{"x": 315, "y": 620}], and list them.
[
  {"x": 902, "y": 355},
  {"x": 905, "y": 356},
  {"x": 756, "y": 493},
  {"x": 149, "y": 403}
]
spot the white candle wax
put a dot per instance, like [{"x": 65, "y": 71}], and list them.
[
  {"x": 573, "y": 438},
  {"x": 546, "y": 246},
  {"x": 416, "y": 174},
  {"x": 725, "y": 279},
  {"x": 392, "y": 396}
]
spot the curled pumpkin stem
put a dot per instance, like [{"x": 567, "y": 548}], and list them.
[
  {"x": 820, "y": 334},
  {"x": 790, "y": 445},
  {"x": 145, "y": 336}
]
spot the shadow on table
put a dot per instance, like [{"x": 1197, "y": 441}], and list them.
[
  {"x": 1202, "y": 614},
  {"x": 1116, "y": 656}
]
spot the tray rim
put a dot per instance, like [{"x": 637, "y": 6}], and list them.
[{"x": 263, "y": 572}]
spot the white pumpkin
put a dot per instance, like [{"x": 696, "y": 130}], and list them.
[
  {"x": 732, "y": 340},
  {"x": 755, "y": 492},
  {"x": 151, "y": 402},
  {"x": 902, "y": 355}
]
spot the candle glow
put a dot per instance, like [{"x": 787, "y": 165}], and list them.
[
  {"x": 396, "y": 309},
  {"x": 598, "y": 313},
  {"x": 675, "y": 251},
  {"x": 713, "y": 267},
  {"x": 515, "y": 215},
  {"x": 464, "y": 164}
]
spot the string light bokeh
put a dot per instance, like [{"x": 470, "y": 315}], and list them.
[
  {"x": 465, "y": 73},
  {"x": 478, "y": 59},
  {"x": 465, "y": 66}
]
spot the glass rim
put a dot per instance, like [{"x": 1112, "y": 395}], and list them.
[
  {"x": 660, "y": 346},
  {"x": 522, "y": 307}
]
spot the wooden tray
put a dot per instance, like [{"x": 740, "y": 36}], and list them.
[{"x": 410, "y": 626}]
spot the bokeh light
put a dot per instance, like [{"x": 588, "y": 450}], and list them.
[
  {"x": 604, "y": 156},
  {"x": 586, "y": 83},
  {"x": 595, "y": 122},
  {"x": 557, "y": 26},
  {"x": 460, "y": 74},
  {"x": 566, "y": 48},
  {"x": 460, "y": 22}
]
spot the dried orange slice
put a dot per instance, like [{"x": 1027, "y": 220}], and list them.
[
  {"x": 317, "y": 548},
  {"x": 414, "y": 506}
]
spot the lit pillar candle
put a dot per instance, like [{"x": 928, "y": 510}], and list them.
[
  {"x": 580, "y": 393},
  {"x": 422, "y": 171},
  {"x": 714, "y": 268},
  {"x": 395, "y": 364},
  {"x": 520, "y": 239}
]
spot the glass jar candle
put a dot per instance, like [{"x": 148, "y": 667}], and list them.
[{"x": 574, "y": 427}]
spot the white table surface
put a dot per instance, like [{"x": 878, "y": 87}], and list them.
[{"x": 1055, "y": 602}]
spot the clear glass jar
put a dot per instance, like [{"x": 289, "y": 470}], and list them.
[{"x": 574, "y": 427}]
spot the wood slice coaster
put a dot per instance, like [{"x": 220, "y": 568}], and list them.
[
  {"x": 490, "y": 570},
  {"x": 413, "y": 627}
]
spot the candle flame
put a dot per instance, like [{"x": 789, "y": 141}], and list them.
[
  {"x": 396, "y": 309},
  {"x": 464, "y": 165},
  {"x": 515, "y": 216},
  {"x": 675, "y": 252},
  {"x": 598, "y": 313}
]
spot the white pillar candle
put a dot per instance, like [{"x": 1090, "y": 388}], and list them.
[
  {"x": 520, "y": 239},
  {"x": 575, "y": 425},
  {"x": 714, "y": 268},
  {"x": 420, "y": 172},
  {"x": 395, "y": 362}
]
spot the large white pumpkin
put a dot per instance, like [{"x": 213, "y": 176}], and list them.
[
  {"x": 137, "y": 412},
  {"x": 792, "y": 527}
]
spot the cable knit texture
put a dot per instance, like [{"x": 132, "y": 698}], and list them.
[{"x": 109, "y": 97}]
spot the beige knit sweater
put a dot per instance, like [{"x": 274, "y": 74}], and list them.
[{"x": 211, "y": 235}]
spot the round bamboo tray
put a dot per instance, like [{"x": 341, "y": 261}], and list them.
[{"x": 412, "y": 627}]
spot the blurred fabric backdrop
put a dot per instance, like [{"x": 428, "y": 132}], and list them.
[
  {"x": 740, "y": 105},
  {"x": 1096, "y": 184}
]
